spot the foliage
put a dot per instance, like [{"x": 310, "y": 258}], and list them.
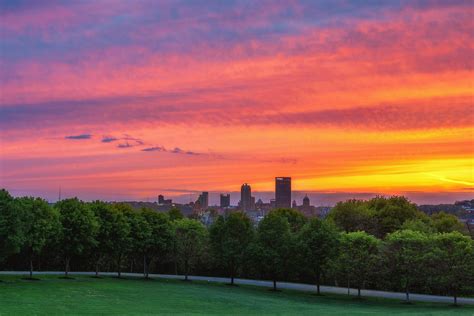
[
  {"x": 274, "y": 241},
  {"x": 78, "y": 229},
  {"x": 406, "y": 254},
  {"x": 230, "y": 237},
  {"x": 454, "y": 259},
  {"x": 358, "y": 256},
  {"x": 40, "y": 225},
  {"x": 317, "y": 245},
  {"x": 191, "y": 238},
  {"x": 12, "y": 234}
]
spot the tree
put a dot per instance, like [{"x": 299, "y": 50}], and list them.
[
  {"x": 317, "y": 244},
  {"x": 78, "y": 229},
  {"x": 352, "y": 215},
  {"x": 11, "y": 225},
  {"x": 391, "y": 213},
  {"x": 446, "y": 223},
  {"x": 229, "y": 237},
  {"x": 159, "y": 241},
  {"x": 295, "y": 218},
  {"x": 358, "y": 254},
  {"x": 121, "y": 223},
  {"x": 420, "y": 225},
  {"x": 175, "y": 214},
  {"x": 272, "y": 250},
  {"x": 104, "y": 245},
  {"x": 40, "y": 223},
  {"x": 406, "y": 254},
  {"x": 454, "y": 261},
  {"x": 191, "y": 239}
]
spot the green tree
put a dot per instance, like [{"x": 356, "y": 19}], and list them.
[
  {"x": 317, "y": 243},
  {"x": 406, "y": 253},
  {"x": 420, "y": 225},
  {"x": 191, "y": 240},
  {"x": 12, "y": 234},
  {"x": 229, "y": 238},
  {"x": 175, "y": 214},
  {"x": 391, "y": 213},
  {"x": 158, "y": 243},
  {"x": 40, "y": 222},
  {"x": 358, "y": 254},
  {"x": 352, "y": 215},
  {"x": 104, "y": 245},
  {"x": 446, "y": 223},
  {"x": 78, "y": 229},
  {"x": 121, "y": 223},
  {"x": 295, "y": 218},
  {"x": 454, "y": 262},
  {"x": 272, "y": 250}
]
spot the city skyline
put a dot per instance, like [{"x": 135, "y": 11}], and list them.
[{"x": 127, "y": 100}]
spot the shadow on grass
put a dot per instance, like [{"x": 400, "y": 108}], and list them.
[
  {"x": 66, "y": 278},
  {"x": 31, "y": 279}
]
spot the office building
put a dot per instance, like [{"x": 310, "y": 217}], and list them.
[
  {"x": 283, "y": 192},
  {"x": 225, "y": 200},
  {"x": 203, "y": 200},
  {"x": 245, "y": 197}
]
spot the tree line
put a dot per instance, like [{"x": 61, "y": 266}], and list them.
[{"x": 383, "y": 243}]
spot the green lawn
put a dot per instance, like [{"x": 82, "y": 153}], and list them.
[{"x": 86, "y": 295}]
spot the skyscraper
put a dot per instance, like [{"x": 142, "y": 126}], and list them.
[
  {"x": 225, "y": 200},
  {"x": 282, "y": 192},
  {"x": 204, "y": 200},
  {"x": 245, "y": 197}
]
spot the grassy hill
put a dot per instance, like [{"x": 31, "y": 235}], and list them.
[{"x": 86, "y": 295}]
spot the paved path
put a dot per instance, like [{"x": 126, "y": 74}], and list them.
[{"x": 280, "y": 285}]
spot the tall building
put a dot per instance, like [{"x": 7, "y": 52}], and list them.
[
  {"x": 162, "y": 201},
  {"x": 225, "y": 200},
  {"x": 282, "y": 192},
  {"x": 306, "y": 201},
  {"x": 204, "y": 200},
  {"x": 245, "y": 197}
]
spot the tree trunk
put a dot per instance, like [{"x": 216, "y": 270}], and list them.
[
  {"x": 407, "y": 295},
  {"x": 186, "y": 270},
  {"x": 232, "y": 280},
  {"x": 348, "y": 287},
  {"x": 31, "y": 266},
  {"x": 455, "y": 299},
  {"x": 274, "y": 285},
  {"x": 67, "y": 267},
  {"x": 97, "y": 269},
  {"x": 145, "y": 270},
  {"x": 358, "y": 292},
  {"x": 119, "y": 265},
  {"x": 318, "y": 283}
]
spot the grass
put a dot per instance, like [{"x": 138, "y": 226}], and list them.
[{"x": 87, "y": 295}]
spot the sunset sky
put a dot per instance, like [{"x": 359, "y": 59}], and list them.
[{"x": 123, "y": 100}]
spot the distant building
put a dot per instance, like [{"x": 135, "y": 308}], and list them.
[
  {"x": 246, "y": 197},
  {"x": 294, "y": 205},
  {"x": 306, "y": 201},
  {"x": 162, "y": 201},
  {"x": 282, "y": 192},
  {"x": 225, "y": 200},
  {"x": 203, "y": 200}
]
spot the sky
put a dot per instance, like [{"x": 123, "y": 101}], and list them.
[{"x": 125, "y": 100}]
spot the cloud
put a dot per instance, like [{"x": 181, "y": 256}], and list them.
[
  {"x": 109, "y": 139},
  {"x": 176, "y": 150},
  {"x": 77, "y": 137},
  {"x": 124, "y": 145},
  {"x": 156, "y": 148}
]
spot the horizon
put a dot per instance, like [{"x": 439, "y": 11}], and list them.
[{"x": 123, "y": 101}]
